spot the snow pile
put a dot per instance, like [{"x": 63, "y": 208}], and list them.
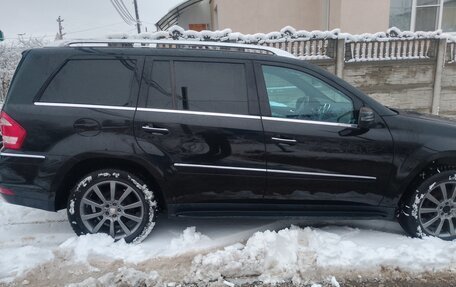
[
  {"x": 296, "y": 254},
  {"x": 16, "y": 263},
  {"x": 123, "y": 277},
  {"x": 33, "y": 242},
  {"x": 102, "y": 246}
]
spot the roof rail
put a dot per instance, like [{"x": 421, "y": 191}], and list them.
[{"x": 176, "y": 44}]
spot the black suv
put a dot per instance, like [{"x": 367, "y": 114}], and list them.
[{"x": 118, "y": 133}]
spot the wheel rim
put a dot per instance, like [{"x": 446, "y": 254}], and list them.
[
  {"x": 112, "y": 207},
  {"x": 437, "y": 212}
]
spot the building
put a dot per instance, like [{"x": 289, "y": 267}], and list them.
[{"x": 351, "y": 16}]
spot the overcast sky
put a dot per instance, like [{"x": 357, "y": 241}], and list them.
[{"x": 83, "y": 18}]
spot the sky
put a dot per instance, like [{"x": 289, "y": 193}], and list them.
[{"x": 82, "y": 18}]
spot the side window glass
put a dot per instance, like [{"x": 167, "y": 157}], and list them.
[
  {"x": 159, "y": 93},
  {"x": 211, "y": 87},
  {"x": 100, "y": 82},
  {"x": 296, "y": 95}
]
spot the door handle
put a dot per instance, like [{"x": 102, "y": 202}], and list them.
[
  {"x": 155, "y": 130},
  {"x": 283, "y": 140}
]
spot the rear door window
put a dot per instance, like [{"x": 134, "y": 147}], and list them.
[
  {"x": 99, "y": 82},
  {"x": 158, "y": 82},
  {"x": 211, "y": 87}
]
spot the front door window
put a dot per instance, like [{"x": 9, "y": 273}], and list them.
[{"x": 296, "y": 95}]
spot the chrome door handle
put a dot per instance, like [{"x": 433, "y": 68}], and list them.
[
  {"x": 282, "y": 140},
  {"x": 154, "y": 130}
]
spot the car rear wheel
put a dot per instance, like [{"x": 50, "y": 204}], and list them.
[
  {"x": 114, "y": 202},
  {"x": 431, "y": 209}
]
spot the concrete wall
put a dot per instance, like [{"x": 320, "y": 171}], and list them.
[
  {"x": 405, "y": 85},
  {"x": 400, "y": 84},
  {"x": 448, "y": 94}
]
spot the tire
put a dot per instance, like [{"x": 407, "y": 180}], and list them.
[
  {"x": 431, "y": 209},
  {"x": 130, "y": 216}
]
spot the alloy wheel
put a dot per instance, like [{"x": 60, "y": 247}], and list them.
[
  {"x": 112, "y": 207},
  {"x": 437, "y": 211}
]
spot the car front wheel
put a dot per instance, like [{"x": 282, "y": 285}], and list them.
[
  {"x": 114, "y": 202},
  {"x": 431, "y": 209}
]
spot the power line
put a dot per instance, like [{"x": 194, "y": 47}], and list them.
[
  {"x": 125, "y": 14},
  {"x": 94, "y": 28},
  {"x": 122, "y": 14},
  {"x": 125, "y": 9}
]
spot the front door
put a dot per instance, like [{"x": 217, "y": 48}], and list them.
[
  {"x": 201, "y": 118},
  {"x": 315, "y": 153}
]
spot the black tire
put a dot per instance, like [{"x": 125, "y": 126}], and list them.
[
  {"x": 129, "y": 216},
  {"x": 420, "y": 215}
]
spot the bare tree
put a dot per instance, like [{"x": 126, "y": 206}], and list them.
[{"x": 10, "y": 55}]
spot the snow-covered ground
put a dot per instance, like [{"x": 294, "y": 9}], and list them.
[{"x": 38, "y": 248}]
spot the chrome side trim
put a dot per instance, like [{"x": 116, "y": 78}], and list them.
[
  {"x": 274, "y": 171},
  {"x": 220, "y": 167},
  {"x": 21, "y": 155},
  {"x": 199, "y": 113},
  {"x": 309, "y": 122},
  {"x": 284, "y": 140},
  {"x": 322, "y": 174},
  {"x": 84, "y": 106}
]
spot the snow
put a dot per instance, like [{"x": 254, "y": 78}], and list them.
[
  {"x": 227, "y": 35},
  {"x": 122, "y": 277},
  {"x": 392, "y": 34},
  {"x": 223, "y": 250},
  {"x": 283, "y": 255},
  {"x": 287, "y": 33}
]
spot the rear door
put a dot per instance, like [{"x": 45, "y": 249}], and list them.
[
  {"x": 199, "y": 119},
  {"x": 315, "y": 152}
]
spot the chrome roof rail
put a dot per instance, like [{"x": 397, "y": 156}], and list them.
[{"x": 176, "y": 44}]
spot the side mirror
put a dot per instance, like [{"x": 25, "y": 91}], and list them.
[{"x": 366, "y": 119}]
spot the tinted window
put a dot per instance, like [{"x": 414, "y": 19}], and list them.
[
  {"x": 102, "y": 82},
  {"x": 159, "y": 86},
  {"x": 211, "y": 87},
  {"x": 297, "y": 95}
]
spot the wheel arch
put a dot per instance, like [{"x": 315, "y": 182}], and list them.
[
  {"x": 434, "y": 164},
  {"x": 78, "y": 167}
]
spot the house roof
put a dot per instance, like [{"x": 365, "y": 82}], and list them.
[{"x": 172, "y": 16}]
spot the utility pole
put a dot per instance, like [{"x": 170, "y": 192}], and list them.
[
  {"x": 138, "y": 23},
  {"x": 60, "y": 34}
]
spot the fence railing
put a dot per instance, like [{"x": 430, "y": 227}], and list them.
[
  {"x": 322, "y": 45},
  {"x": 391, "y": 49},
  {"x": 311, "y": 49}
]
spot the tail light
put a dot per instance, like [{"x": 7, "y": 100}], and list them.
[
  {"x": 13, "y": 133},
  {"x": 6, "y": 191}
]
